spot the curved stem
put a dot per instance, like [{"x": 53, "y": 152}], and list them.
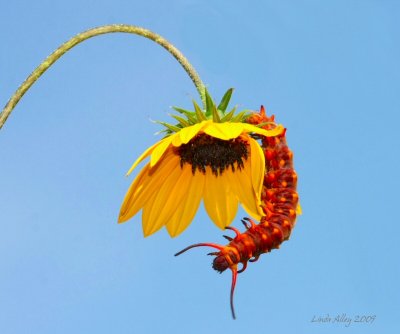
[{"x": 124, "y": 28}]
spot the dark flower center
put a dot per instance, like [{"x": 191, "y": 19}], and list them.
[{"x": 204, "y": 150}]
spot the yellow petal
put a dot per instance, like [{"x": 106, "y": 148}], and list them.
[
  {"x": 187, "y": 209},
  {"x": 186, "y": 134},
  {"x": 150, "y": 181},
  {"x": 227, "y": 130},
  {"x": 224, "y": 131},
  {"x": 299, "y": 211},
  {"x": 257, "y": 161},
  {"x": 162, "y": 205},
  {"x": 267, "y": 133},
  {"x": 134, "y": 187},
  {"x": 146, "y": 224},
  {"x": 159, "y": 151},
  {"x": 232, "y": 204},
  {"x": 220, "y": 203},
  {"x": 241, "y": 184},
  {"x": 144, "y": 155}
]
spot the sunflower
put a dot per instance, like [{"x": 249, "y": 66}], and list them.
[{"x": 210, "y": 155}]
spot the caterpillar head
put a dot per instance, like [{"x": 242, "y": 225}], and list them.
[{"x": 220, "y": 262}]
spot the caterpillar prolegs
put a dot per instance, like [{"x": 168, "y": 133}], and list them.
[{"x": 279, "y": 203}]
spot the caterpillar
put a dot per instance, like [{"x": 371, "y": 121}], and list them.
[{"x": 279, "y": 202}]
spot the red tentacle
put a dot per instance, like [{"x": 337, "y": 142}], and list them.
[{"x": 233, "y": 285}]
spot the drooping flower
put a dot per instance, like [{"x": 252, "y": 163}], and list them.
[{"x": 209, "y": 155}]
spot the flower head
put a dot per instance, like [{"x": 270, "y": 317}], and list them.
[{"x": 209, "y": 155}]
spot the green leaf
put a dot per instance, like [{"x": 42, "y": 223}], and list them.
[
  {"x": 200, "y": 115},
  {"x": 181, "y": 120},
  {"x": 229, "y": 115},
  {"x": 209, "y": 104},
  {"x": 225, "y": 100},
  {"x": 215, "y": 115}
]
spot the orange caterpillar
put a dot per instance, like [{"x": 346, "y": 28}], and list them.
[{"x": 279, "y": 202}]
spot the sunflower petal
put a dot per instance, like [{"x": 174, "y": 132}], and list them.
[
  {"x": 232, "y": 205},
  {"x": 242, "y": 187},
  {"x": 162, "y": 205},
  {"x": 176, "y": 226},
  {"x": 145, "y": 185},
  {"x": 220, "y": 203},
  {"x": 187, "y": 209},
  {"x": 299, "y": 210},
  {"x": 159, "y": 151},
  {"x": 147, "y": 228},
  {"x": 186, "y": 134},
  {"x": 143, "y": 156},
  {"x": 134, "y": 187},
  {"x": 267, "y": 133},
  {"x": 257, "y": 166},
  {"x": 224, "y": 131}
]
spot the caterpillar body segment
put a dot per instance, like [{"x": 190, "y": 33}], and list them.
[{"x": 279, "y": 203}]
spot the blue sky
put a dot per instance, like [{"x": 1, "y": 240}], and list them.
[{"x": 328, "y": 70}]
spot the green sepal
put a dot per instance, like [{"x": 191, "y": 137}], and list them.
[
  {"x": 200, "y": 115},
  {"x": 215, "y": 115},
  {"x": 225, "y": 100},
  {"x": 166, "y": 131},
  {"x": 209, "y": 104},
  {"x": 264, "y": 123},
  {"x": 212, "y": 112},
  {"x": 227, "y": 117},
  {"x": 191, "y": 116},
  {"x": 181, "y": 120},
  {"x": 241, "y": 116},
  {"x": 171, "y": 127}
]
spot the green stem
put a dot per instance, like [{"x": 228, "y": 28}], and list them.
[{"x": 124, "y": 28}]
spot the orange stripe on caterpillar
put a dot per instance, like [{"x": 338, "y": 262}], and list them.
[{"x": 279, "y": 203}]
